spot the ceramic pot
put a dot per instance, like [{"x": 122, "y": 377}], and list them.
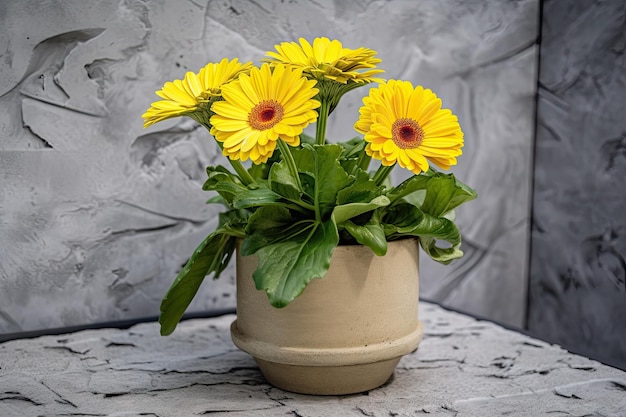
[{"x": 345, "y": 333}]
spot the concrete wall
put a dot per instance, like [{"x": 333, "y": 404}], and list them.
[
  {"x": 578, "y": 269},
  {"x": 97, "y": 214}
]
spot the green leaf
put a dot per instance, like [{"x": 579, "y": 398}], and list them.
[
  {"x": 362, "y": 190},
  {"x": 352, "y": 148},
  {"x": 321, "y": 162},
  {"x": 282, "y": 181},
  {"x": 290, "y": 254},
  {"x": 223, "y": 182},
  {"x": 212, "y": 255},
  {"x": 410, "y": 185},
  {"x": 408, "y": 220},
  {"x": 233, "y": 222},
  {"x": 265, "y": 226},
  {"x": 260, "y": 171},
  {"x": 308, "y": 185},
  {"x": 416, "y": 198},
  {"x": 217, "y": 199},
  {"x": 441, "y": 255},
  {"x": 348, "y": 211},
  {"x": 261, "y": 196},
  {"x": 372, "y": 234},
  {"x": 444, "y": 192},
  {"x": 352, "y": 153},
  {"x": 437, "y": 193}
]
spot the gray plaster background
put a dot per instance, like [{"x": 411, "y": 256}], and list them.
[
  {"x": 578, "y": 262},
  {"x": 97, "y": 214}
]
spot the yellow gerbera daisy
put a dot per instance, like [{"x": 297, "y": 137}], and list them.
[
  {"x": 407, "y": 125},
  {"x": 262, "y": 107},
  {"x": 375, "y": 95},
  {"x": 193, "y": 95},
  {"x": 328, "y": 59}
]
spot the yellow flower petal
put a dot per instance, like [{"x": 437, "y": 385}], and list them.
[
  {"x": 407, "y": 125},
  {"x": 247, "y": 87},
  {"x": 233, "y": 93},
  {"x": 277, "y": 103},
  {"x": 191, "y": 95},
  {"x": 328, "y": 59},
  {"x": 232, "y": 125},
  {"x": 230, "y": 111},
  {"x": 232, "y": 139}
]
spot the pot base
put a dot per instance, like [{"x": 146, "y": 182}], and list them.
[
  {"x": 328, "y": 380},
  {"x": 327, "y": 371}
]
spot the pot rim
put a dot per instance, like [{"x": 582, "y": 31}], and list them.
[{"x": 353, "y": 355}]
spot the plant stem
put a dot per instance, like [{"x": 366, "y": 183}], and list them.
[
  {"x": 320, "y": 133},
  {"x": 243, "y": 173},
  {"x": 302, "y": 204},
  {"x": 382, "y": 173},
  {"x": 363, "y": 161},
  {"x": 291, "y": 163}
]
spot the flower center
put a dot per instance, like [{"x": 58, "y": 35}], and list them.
[
  {"x": 266, "y": 114},
  {"x": 406, "y": 133}
]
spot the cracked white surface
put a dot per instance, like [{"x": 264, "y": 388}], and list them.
[{"x": 463, "y": 367}]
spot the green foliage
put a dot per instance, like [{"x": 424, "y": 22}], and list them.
[
  {"x": 290, "y": 254},
  {"x": 211, "y": 256},
  {"x": 406, "y": 219},
  {"x": 283, "y": 182},
  {"x": 344, "y": 212},
  {"x": 223, "y": 182},
  {"x": 325, "y": 175},
  {"x": 445, "y": 193},
  {"x": 292, "y": 221},
  {"x": 371, "y": 234}
]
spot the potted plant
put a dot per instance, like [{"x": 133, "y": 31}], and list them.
[{"x": 306, "y": 208}]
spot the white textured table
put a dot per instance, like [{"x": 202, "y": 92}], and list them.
[{"x": 463, "y": 367}]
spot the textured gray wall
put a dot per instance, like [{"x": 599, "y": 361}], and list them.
[
  {"x": 578, "y": 269},
  {"x": 485, "y": 59},
  {"x": 97, "y": 214}
]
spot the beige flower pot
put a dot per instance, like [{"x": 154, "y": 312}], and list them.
[{"x": 345, "y": 333}]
